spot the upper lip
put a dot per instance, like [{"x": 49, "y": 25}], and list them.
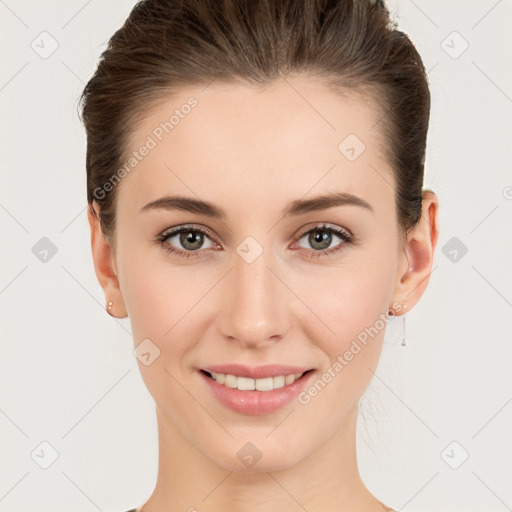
[{"x": 255, "y": 372}]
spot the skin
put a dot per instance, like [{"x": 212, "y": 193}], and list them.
[{"x": 238, "y": 149}]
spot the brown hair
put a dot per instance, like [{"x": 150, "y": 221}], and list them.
[{"x": 351, "y": 45}]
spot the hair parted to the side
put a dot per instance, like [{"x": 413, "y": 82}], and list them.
[{"x": 352, "y": 46}]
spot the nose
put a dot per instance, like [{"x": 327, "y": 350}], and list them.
[{"x": 253, "y": 311}]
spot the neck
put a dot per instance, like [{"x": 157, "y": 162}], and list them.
[{"x": 326, "y": 480}]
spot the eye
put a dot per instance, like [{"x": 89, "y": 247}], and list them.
[
  {"x": 320, "y": 238},
  {"x": 189, "y": 241}
]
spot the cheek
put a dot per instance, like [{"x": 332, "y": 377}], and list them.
[
  {"x": 172, "y": 306},
  {"x": 349, "y": 299},
  {"x": 159, "y": 299},
  {"x": 161, "y": 303},
  {"x": 353, "y": 303},
  {"x": 352, "y": 307}
]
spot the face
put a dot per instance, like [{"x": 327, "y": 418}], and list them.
[{"x": 273, "y": 279}]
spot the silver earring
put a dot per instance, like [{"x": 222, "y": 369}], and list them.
[{"x": 404, "y": 343}]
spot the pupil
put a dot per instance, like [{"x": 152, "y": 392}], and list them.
[
  {"x": 191, "y": 238},
  {"x": 319, "y": 237}
]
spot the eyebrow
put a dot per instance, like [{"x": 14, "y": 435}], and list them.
[{"x": 297, "y": 207}]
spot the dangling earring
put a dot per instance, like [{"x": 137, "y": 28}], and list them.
[{"x": 404, "y": 343}]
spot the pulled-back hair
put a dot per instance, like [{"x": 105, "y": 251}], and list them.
[{"x": 352, "y": 46}]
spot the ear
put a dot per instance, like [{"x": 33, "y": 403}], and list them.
[
  {"x": 415, "y": 263},
  {"x": 104, "y": 265}
]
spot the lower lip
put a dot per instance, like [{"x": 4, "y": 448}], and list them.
[{"x": 255, "y": 403}]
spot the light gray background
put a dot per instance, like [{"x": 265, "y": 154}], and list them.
[{"x": 67, "y": 373}]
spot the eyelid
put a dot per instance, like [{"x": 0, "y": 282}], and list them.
[
  {"x": 324, "y": 225},
  {"x": 183, "y": 227}
]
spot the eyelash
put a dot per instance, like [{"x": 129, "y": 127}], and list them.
[{"x": 344, "y": 235}]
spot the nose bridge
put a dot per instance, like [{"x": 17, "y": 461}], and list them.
[{"x": 254, "y": 312}]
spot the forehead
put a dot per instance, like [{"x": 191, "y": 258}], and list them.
[{"x": 288, "y": 137}]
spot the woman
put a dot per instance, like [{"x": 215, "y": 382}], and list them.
[{"x": 255, "y": 181}]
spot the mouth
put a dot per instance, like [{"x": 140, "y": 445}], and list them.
[
  {"x": 257, "y": 391},
  {"x": 266, "y": 384}
]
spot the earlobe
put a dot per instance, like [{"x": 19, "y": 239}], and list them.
[
  {"x": 419, "y": 254},
  {"x": 104, "y": 266}
]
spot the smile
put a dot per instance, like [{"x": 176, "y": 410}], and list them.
[{"x": 248, "y": 384}]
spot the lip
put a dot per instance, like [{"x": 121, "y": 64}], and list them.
[
  {"x": 256, "y": 403},
  {"x": 255, "y": 372}
]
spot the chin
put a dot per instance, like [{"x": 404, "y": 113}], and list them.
[
  {"x": 258, "y": 457},
  {"x": 261, "y": 466}
]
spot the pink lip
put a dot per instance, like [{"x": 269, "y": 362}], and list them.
[
  {"x": 255, "y": 403},
  {"x": 255, "y": 372}
]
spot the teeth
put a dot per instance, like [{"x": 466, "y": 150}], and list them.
[{"x": 246, "y": 384}]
